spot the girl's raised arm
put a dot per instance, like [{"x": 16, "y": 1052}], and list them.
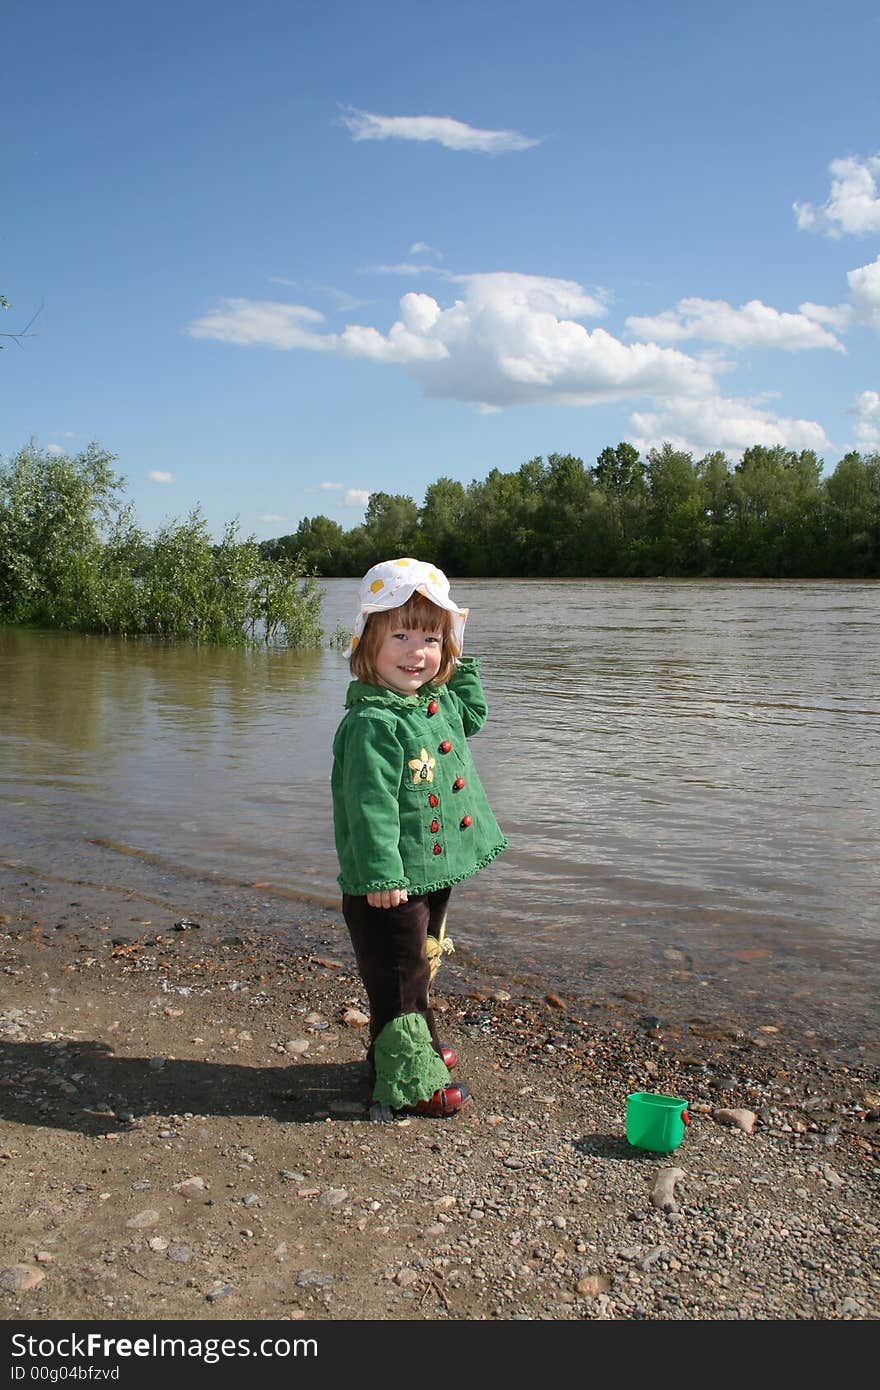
[{"x": 466, "y": 689}]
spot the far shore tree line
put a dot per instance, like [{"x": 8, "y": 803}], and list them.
[
  {"x": 772, "y": 515},
  {"x": 73, "y": 556}
]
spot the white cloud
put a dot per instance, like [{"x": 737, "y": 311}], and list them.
[
  {"x": 330, "y": 487},
  {"x": 356, "y": 497},
  {"x": 264, "y": 322},
  {"x": 421, "y": 248},
  {"x": 716, "y": 422},
  {"x": 752, "y": 325},
  {"x": 510, "y": 339},
  {"x": 837, "y": 316},
  {"x": 513, "y": 340},
  {"x": 864, "y": 284},
  {"x": 271, "y": 516},
  {"x": 868, "y": 420},
  {"x": 341, "y": 299},
  {"x": 156, "y": 475},
  {"x": 405, "y": 268},
  {"x": 853, "y": 205},
  {"x": 452, "y": 134},
  {"x": 55, "y": 449}
]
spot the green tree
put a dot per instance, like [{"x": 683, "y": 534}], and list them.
[
  {"x": 713, "y": 472},
  {"x": 853, "y": 517},
  {"x": 775, "y": 505},
  {"x": 500, "y": 522},
  {"x": 441, "y": 524},
  {"x": 53, "y": 512},
  {"x": 391, "y": 525},
  {"x": 620, "y": 475},
  {"x": 565, "y": 522},
  {"x": 677, "y": 528},
  {"x": 319, "y": 542}
]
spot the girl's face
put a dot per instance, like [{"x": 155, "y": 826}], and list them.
[{"x": 408, "y": 658}]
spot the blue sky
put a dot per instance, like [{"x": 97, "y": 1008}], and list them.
[{"x": 287, "y": 254}]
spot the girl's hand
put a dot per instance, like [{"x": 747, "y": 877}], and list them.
[{"x": 390, "y": 897}]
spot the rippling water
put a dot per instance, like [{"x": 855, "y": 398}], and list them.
[{"x": 684, "y": 769}]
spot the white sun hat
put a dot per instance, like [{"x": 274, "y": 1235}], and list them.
[{"x": 389, "y": 585}]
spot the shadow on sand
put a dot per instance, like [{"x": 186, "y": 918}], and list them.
[{"x": 84, "y": 1087}]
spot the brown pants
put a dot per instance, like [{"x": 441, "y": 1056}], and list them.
[{"x": 389, "y": 946}]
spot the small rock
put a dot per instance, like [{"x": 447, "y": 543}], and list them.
[
  {"x": 158, "y": 1243},
  {"x": 191, "y": 1187},
  {"x": 555, "y": 1002},
  {"x": 355, "y": 1018},
  {"x": 832, "y": 1176},
  {"x": 44, "y": 1257},
  {"x": 219, "y": 1291},
  {"x": 310, "y": 1278},
  {"x": 181, "y": 1255},
  {"x": 297, "y": 1046},
  {"x": 290, "y": 1176},
  {"x": 143, "y": 1220},
  {"x": 251, "y": 1199},
  {"x": 591, "y": 1285},
  {"x": 736, "y": 1119},
  {"x": 445, "y": 1203},
  {"x": 406, "y": 1278},
  {"x": 20, "y": 1278},
  {"x": 333, "y": 1196},
  {"x": 650, "y": 1257}
]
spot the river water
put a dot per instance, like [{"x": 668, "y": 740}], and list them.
[{"x": 688, "y": 774}]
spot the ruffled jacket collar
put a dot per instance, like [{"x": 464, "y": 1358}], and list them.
[{"x": 359, "y": 692}]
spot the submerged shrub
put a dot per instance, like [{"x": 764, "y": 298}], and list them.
[{"x": 71, "y": 556}]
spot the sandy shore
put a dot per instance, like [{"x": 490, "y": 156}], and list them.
[{"x": 184, "y": 1134}]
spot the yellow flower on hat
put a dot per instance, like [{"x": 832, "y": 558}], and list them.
[{"x": 422, "y": 767}]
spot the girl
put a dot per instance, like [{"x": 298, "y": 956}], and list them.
[{"x": 410, "y": 817}]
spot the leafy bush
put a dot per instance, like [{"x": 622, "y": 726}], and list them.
[{"x": 71, "y": 556}]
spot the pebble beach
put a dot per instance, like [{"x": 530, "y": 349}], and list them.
[{"x": 185, "y": 1134}]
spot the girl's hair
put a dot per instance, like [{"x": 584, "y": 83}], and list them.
[{"x": 417, "y": 612}]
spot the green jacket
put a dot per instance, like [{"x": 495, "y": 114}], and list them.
[{"x": 408, "y": 808}]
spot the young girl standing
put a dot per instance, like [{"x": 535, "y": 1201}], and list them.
[{"x": 410, "y": 817}]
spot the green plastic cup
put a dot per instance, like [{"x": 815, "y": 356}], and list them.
[{"x": 655, "y": 1122}]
